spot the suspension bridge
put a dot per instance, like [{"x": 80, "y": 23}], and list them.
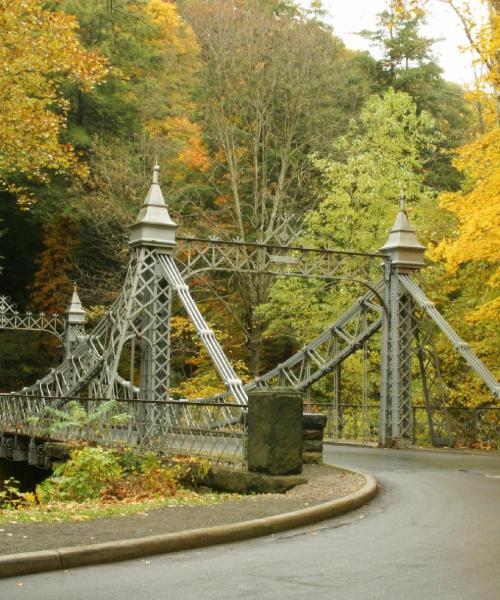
[{"x": 132, "y": 343}]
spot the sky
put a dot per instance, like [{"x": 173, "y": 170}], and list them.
[{"x": 350, "y": 16}]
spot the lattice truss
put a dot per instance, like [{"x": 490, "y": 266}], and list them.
[
  {"x": 137, "y": 324},
  {"x": 410, "y": 362},
  {"x": 128, "y": 354},
  {"x": 11, "y": 318},
  {"x": 136, "y": 328},
  {"x": 197, "y": 255},
  {"x": 320, "y": 357},
  {"x": 177, "y": 427}
]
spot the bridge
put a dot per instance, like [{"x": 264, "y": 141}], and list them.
[{"x": 132, "y": 343}]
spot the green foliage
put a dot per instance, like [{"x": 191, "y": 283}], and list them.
[
  {"x": 114, "y": 476},
  {"x": 81, "y": 478},
  {"x": 11, "y": 496},
  {"x": 380, "y": 156},
  {"x": 133, "y": 463},
  {"x": 77, "y": 416},
  {"x": 409, "y": 65}
]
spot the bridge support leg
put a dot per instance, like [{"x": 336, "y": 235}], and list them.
[
  {"x": 396, "y": 364},
  {"x": 385, "y": 363}
]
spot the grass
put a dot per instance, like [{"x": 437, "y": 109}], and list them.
[{"x": 59, "y": 512}]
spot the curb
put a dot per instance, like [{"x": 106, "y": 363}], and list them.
[
  {"x": 66, "y": 558},
  {"x": 416, "y": 448}
]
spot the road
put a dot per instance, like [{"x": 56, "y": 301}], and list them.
[{"x": 432, "y": 533}]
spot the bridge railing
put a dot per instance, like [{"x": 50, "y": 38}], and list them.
[
  {"x": 468, "y": 427},
  {"x": 214, "y": 431}
]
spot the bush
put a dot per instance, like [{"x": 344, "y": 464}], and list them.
[
  {"x": 11, "y": 496},
  {"x": 153, "y": 482},
  {"x": 82, "y": 477},
  {"x": 97, "y": 473}
]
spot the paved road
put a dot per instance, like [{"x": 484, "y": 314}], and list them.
[{"x": 432, "y": 533}]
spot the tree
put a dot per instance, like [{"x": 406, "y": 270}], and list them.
[
  {"x": 380, "y": 156},
  {"x": 409, "y": 65},
  {"x": 51, "y": 290},
  {"x": 472, "y": 250},
  {"x": 275, "y": 85},
  {"x": 152, "y": 57},
  {"x": 484, "y": 43},
  {"x": 52, "y": 286},
  {"x": 39, "y": 51},
  {"x": 142, "y": 113}
]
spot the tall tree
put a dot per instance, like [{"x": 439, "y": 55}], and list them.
[
  {"x": 142, "y": 112},
  {"x": 275, "y": 85},
  {"x": 382, "y": 155},
  {"x": 472, "y": 250},
  {"x": 39, "y": 52},
  {"x": 408, "y": 64},
  {"x": 52, "y": 287}
]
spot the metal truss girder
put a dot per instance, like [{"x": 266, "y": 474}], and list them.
[
  {"x": 207, "y": 336},
  {"x": 200, "y": 255},
  {"x": 77, "y": 370},
  {"x": 301, "y": 371},
  {"x": 10, "y": 318},
  {"x": 462, "y": 347},
  {"x": 339, "y": 357}
]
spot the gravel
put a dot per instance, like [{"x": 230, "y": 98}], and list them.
[{"x": 324, "y": 483}]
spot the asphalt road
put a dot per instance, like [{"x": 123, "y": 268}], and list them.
[{"x": 432, "y": 533}]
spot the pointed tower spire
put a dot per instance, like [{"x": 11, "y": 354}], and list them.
[
  {"x": 402, "y": 246},
  {"x": 153, "y": 226},
  {"x": 75, "y": 313}
]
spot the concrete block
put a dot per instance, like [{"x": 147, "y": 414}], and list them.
[{"x": 275, "y": 431}]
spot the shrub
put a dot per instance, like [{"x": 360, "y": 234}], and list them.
[
  {"x": 11, "y": 496},
  {"x": 82, "y": 477},
  {"x": 97, "y": 473},
  {"x": 154, "y": 481}
]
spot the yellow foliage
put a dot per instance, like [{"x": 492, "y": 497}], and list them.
[
  {"x": 203, "y": 380},
  {"x": 169, "y": 124},
  {"x": 484, "y": 44},
  {"x": 407, "y": 9},
  {"x": 487, "y": 312},
  {"x": 173, "y": 31},
  {"x": 39, "y": 50},
  {"x": 477, "y": 207}
]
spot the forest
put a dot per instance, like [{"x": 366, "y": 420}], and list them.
[{"x": 267, "y": 129}]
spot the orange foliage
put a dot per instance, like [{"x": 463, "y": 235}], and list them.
[
  {"x": 51, "y": 290},
  {"x": 193, "y": 156}
]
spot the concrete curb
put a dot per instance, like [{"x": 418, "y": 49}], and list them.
[
  {"x": 442, "y": 450},
  {"x": 12, "y": 565}
]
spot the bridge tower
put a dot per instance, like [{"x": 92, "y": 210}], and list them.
[
  {"x": 139, "y": 330},
  {"x": 406, "y": 255},
  {"x": 75, "y": 323}
]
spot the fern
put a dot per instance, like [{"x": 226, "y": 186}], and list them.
[{"x": 75, "y": 416}]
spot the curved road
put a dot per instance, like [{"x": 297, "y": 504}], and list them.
[{"x": 432, "y": 533}]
